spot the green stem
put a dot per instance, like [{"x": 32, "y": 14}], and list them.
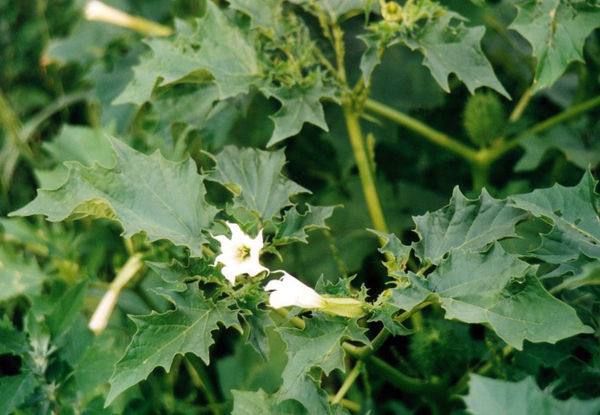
[
  {"x": 364, "y": 170},
  {"x": 397, "y": 378},
  {"x": 431, "y": 134},
  {"x": 480, "y": 175},
  {"x": 348, "y": 382},
  {"x": 521, "y": 105},
  {"x": 356, "y": 138},
  {"x": 495, "y": 153}
]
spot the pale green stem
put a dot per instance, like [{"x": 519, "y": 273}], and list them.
[
  {"x": 357, "y": 140},
  {"x": 431, "y": 134}
]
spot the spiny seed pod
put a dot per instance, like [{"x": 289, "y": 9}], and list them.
[{"x": 484, "y": 118}]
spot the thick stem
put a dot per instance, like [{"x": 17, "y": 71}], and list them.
[
  {"x": 364, "y": 170},
  {"x": 356, "y": 138},
  {"x": 431, "y": 134},
  {"x": 480, "y": 176}
]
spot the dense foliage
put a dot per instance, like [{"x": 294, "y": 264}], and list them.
[{"x": 299, "y": 207}]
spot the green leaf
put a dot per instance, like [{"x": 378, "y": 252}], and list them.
[
  {"x": 18, "y": 276},
  {"x": 175, "y": 112},
  {"x": 160, "y": 337},
  {"x": 556, "y": 30},
  {"x": 334, "y": 9},
  {"x": 213, "y": 46},
  {"x": 258, "y": 402},
  {"x": 295, "y": 225},
  {"x": 299, "y": 104},
  {"x": 75, "y": 143},
  {"x": 13, "y": 341},
  {"x": 572, "y": 142},
  {"x": 494, "y": 396},
  {"x": 144, "y": 193},
  {"x": 397, "y": 254},
  {"x": 589, "y": 275},
  {"x": 385, "y": 313},
  {"x": 96, "y": 365},
  {"x": 86, "y": 42},
  {"x": 371, "y": 57},
  {"x": 265, "y": 13},
  {"x": 496, "y": 288},
  {"x": 317, "y": 346},
  {"x": 572, "y": 212},
  {"x": 455, "y": 48},
  {"x": 252, "y": 403},
  {"x": 14, "y": 390},
  {"x": 83, "y": 144},
  {"x": 464, "y": 224},
  {"x": 177, "y": 275},
  {"x": 67, "y": 309},
  {"x": 255, "y": 178}
]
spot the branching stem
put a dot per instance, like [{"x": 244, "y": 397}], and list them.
[{"x": 431, "y": 134}]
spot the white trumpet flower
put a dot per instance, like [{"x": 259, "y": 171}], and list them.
[
  {"x": 289, "y": 291},
  {"x": 239, "y": 254}
]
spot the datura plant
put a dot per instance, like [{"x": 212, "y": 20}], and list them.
[{"x": 300, "y": 207}]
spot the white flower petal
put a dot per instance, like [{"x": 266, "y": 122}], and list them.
[
  {"x": 289, "y": 291},
  {"x": 274, "y": 285},
  {"x": 240, "y": 254},
  {"x": 230, "y": 273},
  {"x": 278, "y": 299}
]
